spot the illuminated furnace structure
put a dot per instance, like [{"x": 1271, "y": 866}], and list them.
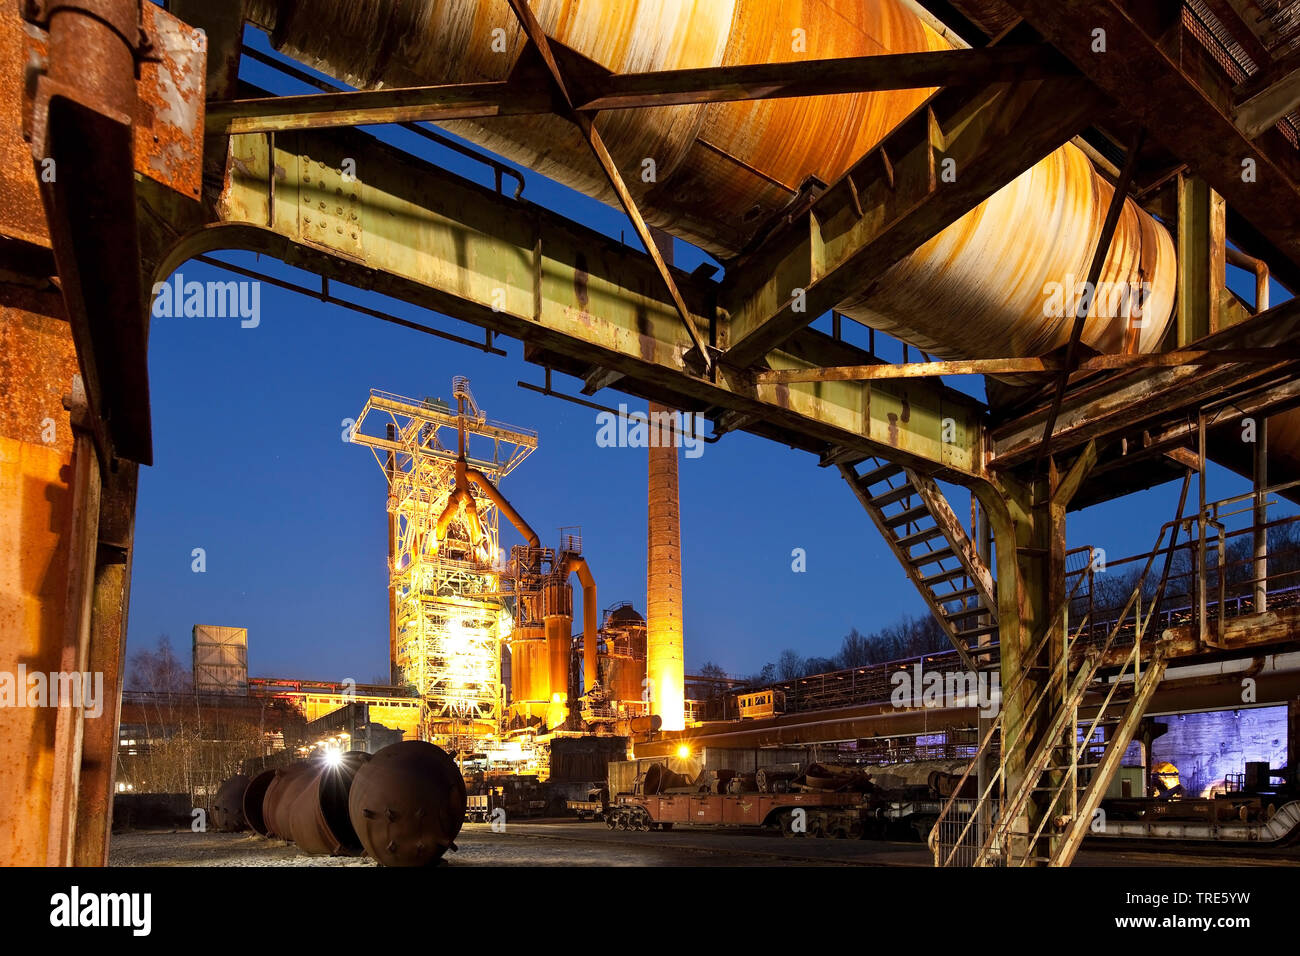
[{"x": 447, "y": 615}]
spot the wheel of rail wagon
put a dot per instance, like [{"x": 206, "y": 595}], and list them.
[
  {"x": 643, "y": 821},
  {"x": 840, "y": 832},
  {"x": 611, "y": 820},
  {"x": 787, "y": 826}
]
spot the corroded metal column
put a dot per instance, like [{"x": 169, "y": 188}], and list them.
[{"x": 665, "y": 657}]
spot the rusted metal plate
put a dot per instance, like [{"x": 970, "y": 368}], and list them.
[
  {"x": 169, "y": 128},
  {"x": 21, "y": 214},
  {"x": 37, "y": 363}
]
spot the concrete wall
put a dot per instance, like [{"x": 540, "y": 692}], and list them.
[{"x": 1205, "y": 747}]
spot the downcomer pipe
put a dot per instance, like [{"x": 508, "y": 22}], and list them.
[
  {"x": 716, "y": 173},
  {"x": 494, "y": 495},
  {"x": 577, "y": 563}
]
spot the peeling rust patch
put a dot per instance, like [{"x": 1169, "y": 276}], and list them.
[{"x": 169, "y": 128}]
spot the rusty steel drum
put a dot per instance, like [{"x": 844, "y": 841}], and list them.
[
  {"x": 254, "y": 795},
  {"x": 318, "y": 818},
  {"x": 407, "y": 804},
  {"x": 284, "y": 789},
  {"x": 227, "y": 810}
]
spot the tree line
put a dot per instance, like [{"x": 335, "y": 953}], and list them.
[{"x": 909, "y": 636}]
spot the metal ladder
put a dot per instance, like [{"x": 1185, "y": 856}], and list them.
[
  {"x": 1058, "y": 774},
  {"x": 933, "y": 548}
]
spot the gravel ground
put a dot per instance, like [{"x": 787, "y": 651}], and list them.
[{"x": 569, "y": 843}]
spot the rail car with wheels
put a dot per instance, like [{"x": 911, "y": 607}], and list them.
[{"x": 842, "y": 815}]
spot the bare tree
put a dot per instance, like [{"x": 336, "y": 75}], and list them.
[
  {"x": 789, "y": 665},
  {"x": 855, "y": 650},
  {"x": 712, "y": 670},
  {"x": 159, "y": 670}
]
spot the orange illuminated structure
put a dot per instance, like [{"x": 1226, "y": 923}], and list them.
[{"x": 449, "y": 618}]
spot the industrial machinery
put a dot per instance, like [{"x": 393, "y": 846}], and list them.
[
  {"x": 403, "y": 806},
  {"x": 968, "y": 177},
  {"x": 817, "y": 801},
  {"x": 448, "y": 618},
  {"x": 407, "y": 803}
]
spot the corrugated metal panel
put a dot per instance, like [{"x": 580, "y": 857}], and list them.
[{"x": 220, "y": 659}]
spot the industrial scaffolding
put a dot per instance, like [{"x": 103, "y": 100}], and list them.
[{"x": 448, "y": 616}]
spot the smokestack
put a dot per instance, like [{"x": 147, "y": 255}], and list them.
[{"x": 665, "y": 661}]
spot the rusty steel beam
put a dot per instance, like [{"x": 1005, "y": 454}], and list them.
[
  {"x": 95, "y": 125},
  {"x": 1130, "y": 398},
  {"x": 892, "y": 71},
  {"x": 1007, "y": 366},
  {"x": 430, "y": 237},
  {"x": 702, "y": 360},
  {"x": 862, "y": 74},
  {"x": 1190, "y": 115},
  {"x": 1262, "y": 111},
  {"x": 434, "y": 104},
  {"x": 107, "y": 656},
  {"x": 892, "y": 201}
]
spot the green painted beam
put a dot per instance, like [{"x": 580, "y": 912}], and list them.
[
  {"x": 894, "y": 200},
  {"x": 421, "y": 234}
]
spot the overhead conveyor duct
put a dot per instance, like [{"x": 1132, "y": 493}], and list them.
[{"x": 981, "y": 288}]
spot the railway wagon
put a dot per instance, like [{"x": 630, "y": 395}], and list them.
[{"x": 812, "y": 814}]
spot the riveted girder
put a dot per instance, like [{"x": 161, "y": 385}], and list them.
[{"x": 421, "y": 234}]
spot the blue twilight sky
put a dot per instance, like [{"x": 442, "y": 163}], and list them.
[{"x": 249, "y": 465}]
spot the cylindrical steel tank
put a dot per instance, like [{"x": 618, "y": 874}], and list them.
[
  {"x": 284, "y": 789},
  {"x": 318, "y": 818},
  {"x": 557, "y": 614},
  {"x": 529, "y": 666},
  {"x": 253, "y": 801},
  {"x": 227, "y": 810},
  {"x": 407, "y": 804},
  {"x": 722, "y": 170},
  {"x": 624, "y": 665}
]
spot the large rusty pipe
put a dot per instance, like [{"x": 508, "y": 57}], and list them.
[
  {"x": 284, "y": 789},
  {"x": 319, "y": 822},
  {"x": 494, "y": 495},
  {"x": 254, "y": 801},
  {"x": 979, "y": 289},
  {"x": 227, "y": 811},
  {"x": 461, "y": 496},
  {"x": 407, "y": 804},
  {"x": 577, "y": 563}
]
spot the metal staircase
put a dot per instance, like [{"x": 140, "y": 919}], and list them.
[
  {"x": 1060, "y": 776},
  {"x": 933, "y": 548}
]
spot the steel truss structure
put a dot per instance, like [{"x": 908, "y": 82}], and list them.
[
  {"x": 449, "y": 617},
  {"x": 1188, "y": 96}
]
